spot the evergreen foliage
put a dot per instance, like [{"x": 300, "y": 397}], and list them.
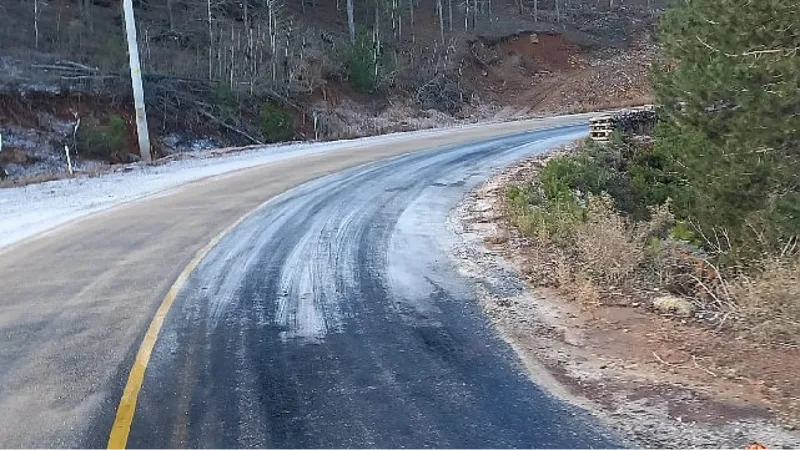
[{"x": 728, "y": 143}]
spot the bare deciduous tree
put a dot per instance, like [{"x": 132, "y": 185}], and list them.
[
  {"x": 450, "y": 14},
  {"x": 210, "y": 41},
  {"x": 351, "y": 24},
  {"x": 440, "y": 13},
  {"x": 36, "y": 21},
  {"x": 411, "y": 13},
  {"x": 376, "y": 41},
  {"x": 170, "y": 16},
  {"x": 558, "y": 12}
]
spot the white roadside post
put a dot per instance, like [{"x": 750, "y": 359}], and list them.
[
  {"x": 69, "y": 160},
  {"x": 136, "y": 80}
]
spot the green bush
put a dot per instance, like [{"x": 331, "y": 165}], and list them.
[
  {"x": 275, "y": 123},
  {"x": 730, "y": 122},
  {"x": 103, "y": 141},
  {"x": 539, "y": 216},
  {"x": 598, "y": 170}
]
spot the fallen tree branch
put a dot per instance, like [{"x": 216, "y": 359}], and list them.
[
  {"x": 231, "y": 128},
  {"x": 698, "y": 366},
  {"x": 63, "y": 62},
  {"x": 658, "y": 358},
  {"x": 89, "y": 77},
  {"x": 785, "y": 51},
  {"x": 60, "y": 68}
]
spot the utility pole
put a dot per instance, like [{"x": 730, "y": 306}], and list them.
[{"x": 136, "y": 80}]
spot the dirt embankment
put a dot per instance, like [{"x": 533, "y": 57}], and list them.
[{"x": 662, "y": 381}]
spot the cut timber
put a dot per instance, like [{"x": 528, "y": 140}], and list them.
[{"x": 600, "y": 128}]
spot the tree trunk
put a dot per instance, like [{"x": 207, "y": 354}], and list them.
[
  {"x": 210, "y": 42},
  {"x": 86, "y": 6},
  {"x": 450, "y": 14},
  {"x": 170, "y": 16},
  {"x": 376, "y": 42},
  {"x": 399, "y": 6},
  {"x": 411, "y": 10},
  {"x": 536, "y": 11},
  {"x": 36, "y": 21},
  {"x": 441, "y": 18},
  {"x": 351, "y": 24},
  {"x": 474, "y": 13},
  {"x": 273, "y": 40},
  {"x": 558, "y": 12}
]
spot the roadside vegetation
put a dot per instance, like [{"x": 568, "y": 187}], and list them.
[
  {"x": 107, "y": 141},
  {"x": 700, "y": 220}
]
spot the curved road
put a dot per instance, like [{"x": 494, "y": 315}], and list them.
[{"x": 330, "y": 317}]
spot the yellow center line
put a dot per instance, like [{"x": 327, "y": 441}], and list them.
[
  {"x": 120, "y": 430},
  {"x": 118, "y": 438}
]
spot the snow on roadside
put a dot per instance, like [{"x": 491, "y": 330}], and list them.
[{"x": 29, "y": 210}]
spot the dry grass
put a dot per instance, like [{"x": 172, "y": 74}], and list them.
[
  {"x": 600, "y": 257},
  {"x": 769, "y": 304},
  {"x": 608, "y": 245},
  {"x": 612, "y": 249}
]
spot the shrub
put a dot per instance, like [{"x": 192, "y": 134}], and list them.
[
  {"x": 275, "y": 123},
  {"x": 597, "y": 170},
  {"x": 608, "y": 243},
  {"x": 613, "y": 247},
  {"x": 112, "y": 54},
  {"x": 538, "y": 216},
  {"x": 770, "y": 304},
  {"x": 360, "y": 63},
  {"x": 445, "y": 93},
  {"x": 107, "y": 141}
]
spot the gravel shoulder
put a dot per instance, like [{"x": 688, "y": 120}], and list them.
[{"x": 659, "y": 382}]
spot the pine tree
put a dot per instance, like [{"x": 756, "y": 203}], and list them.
[{"x": 730, "y": 115}]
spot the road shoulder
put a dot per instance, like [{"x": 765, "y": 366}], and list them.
[{"x": 625, "y": 365}]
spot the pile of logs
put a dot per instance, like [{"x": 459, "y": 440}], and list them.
[
  {"x": 633, "y": 122},
  {"x": 70, "y": 70}
]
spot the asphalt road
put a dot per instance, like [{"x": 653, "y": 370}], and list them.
[{"x": 331, "y": 317}]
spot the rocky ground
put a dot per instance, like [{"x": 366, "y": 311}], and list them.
[{"x": 662, "y": 382}]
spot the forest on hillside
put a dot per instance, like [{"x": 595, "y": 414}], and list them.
[{"x": 253, "y": 71}]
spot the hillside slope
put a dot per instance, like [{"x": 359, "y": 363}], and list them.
[{"x": 226, "y": 72}]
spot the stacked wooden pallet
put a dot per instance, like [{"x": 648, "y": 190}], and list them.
[{"x": 601, "y": 127}]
